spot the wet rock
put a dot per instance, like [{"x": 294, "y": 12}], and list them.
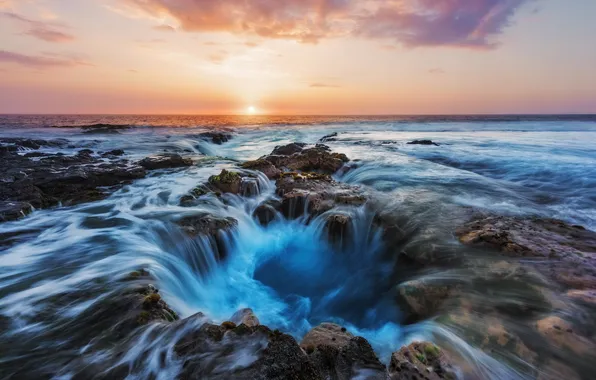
[
  {"x": 421, "y": 360},
  {"x": 423, "y": 298},
  {"x": 329, "y": 137},
  {"x": 113, "y": 153},
  {"x": 14, "y": 210},
  {"x": 266, "y": 212},
  {"x": 246, "y": 317},
  {"x": 274, "y": 355},
  {"x": 338, "y": 228},
  {"x": 329, "y": 334},
  {"x": 263, "y": 166},
  {"x": 337, "y": 354},
  {"x": 423, "y": 142},
  {"x": 315, "y": 194},
  {"x": 316, "y": 159},
  {"x": 562, "y": 335},
  {"x": 191, "y": 199},
  {"x": 568, "y": 252},
  {"x": 165, "y": 161},
  {"x": 216, "y": 137},
  {"x": 14, "y": 144},
  {"x": 288, "y": 150},
  {"x": 226, "y": 182},
  {"x": 206, "y": 224},
  {"x": 586, "y": 297},
  {"x": 57, "y": 178}
]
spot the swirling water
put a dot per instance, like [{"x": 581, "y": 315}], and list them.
[{"x": 287, "y": 272}]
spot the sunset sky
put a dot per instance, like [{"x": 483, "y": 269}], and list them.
[{"x": 298, "y": 56}]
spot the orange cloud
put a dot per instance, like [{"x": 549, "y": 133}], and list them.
[{"x": 468, "y": 23}]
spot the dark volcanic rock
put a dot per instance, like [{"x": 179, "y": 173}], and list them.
[
  {"x": 423, "y": 142},
  {"x": 165, "y": 161},
  {"x": 420, "y": 361},
  {"x": 288, "y": 150},
  {"x": 216, "y": 137},
  {"x": 209, "y": 352},
  {"x": 14, "y": 210},
  {"x": 329, "y": 137},
  {"x": 316, "y": 159},
  {"x": 113, "y": 153},
  {"x": 56, "y": 178},
  {"x": 267, "y": 211},
  {"x": 246, "y": 317},
  {"x": 263, "y": 166}
]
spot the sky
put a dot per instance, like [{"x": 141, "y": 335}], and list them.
[{"x": 334, "y": 57}]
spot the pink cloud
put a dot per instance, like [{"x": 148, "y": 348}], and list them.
[
  {"x": 49, "y": 32},
  {"x": 467, "y": 23},
  {"x": 45, "y": 61}
]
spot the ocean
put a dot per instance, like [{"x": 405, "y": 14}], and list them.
[{"x": 525, "y": 166}]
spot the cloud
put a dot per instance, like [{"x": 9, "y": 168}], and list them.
[
  {"x": 436, "y": 70},
  {"x": 45, "y": 61},
  {"x": 464, "y": 23},
  {"x": 323, "y": 85},
  {"x": 45, "y": 31},
  {"x": 218, "y": 57},
  {"x": 164, "y": 28}
]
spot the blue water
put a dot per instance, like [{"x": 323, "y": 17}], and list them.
[{"x": 287, "y": 272}]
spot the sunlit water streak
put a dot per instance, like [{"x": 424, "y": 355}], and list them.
[{"x": 287, "y": 272}]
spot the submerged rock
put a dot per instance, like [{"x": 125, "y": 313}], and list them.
[
  {"x": 570, "y": 251},
  {"x": 329, "y": 137},
  {"x": 420, "y": 360},
  {"x": 423, "y": 142},
  {"x": 423, "y": 298},
  {"x": 266, "y": 212},
  {"x": 216, "y": 137},
  {"x": 165, "y": 161}
]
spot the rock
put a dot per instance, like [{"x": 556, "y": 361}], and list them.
[
  {"x": 317, "y": 159},
  {"x": 263, "y": 166},
  {"x": 266, "y": 212},
  {"x": 14, "y": 210},
  {"x": 586, "y": 297},
  {"x": 315, "y": 194},
  {"x": 328, "y": 334},
  {"x": 206, "y": 224},
  {"x": 420, "y": 360},
  {"x": 113, "y": 153},
  {"x": 165, "y": 161},
  {"x": 226, "y": 182},
  {"x": 339, "y": 229},
  {"x": 288, "y": 150},
  {"x": 246, "y": 317},
  {"x": 568, "y": 252},
  {"x": 423, "y": 142},
  {"x": 329, "y": 137},
  {"x": 205, "y": 354},
  {"x": 337, "y": 354},
  {"x": 216, "y": 137},
  {"x": 562, "y": 335},
  {"x": 423, "y": 298},
  {"x": 56, "y": 178}
]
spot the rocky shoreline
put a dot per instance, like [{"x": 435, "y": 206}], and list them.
[{"x": 522, "y": 254}]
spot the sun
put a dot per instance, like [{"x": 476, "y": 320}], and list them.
[{"x": 251, "y": 110}]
